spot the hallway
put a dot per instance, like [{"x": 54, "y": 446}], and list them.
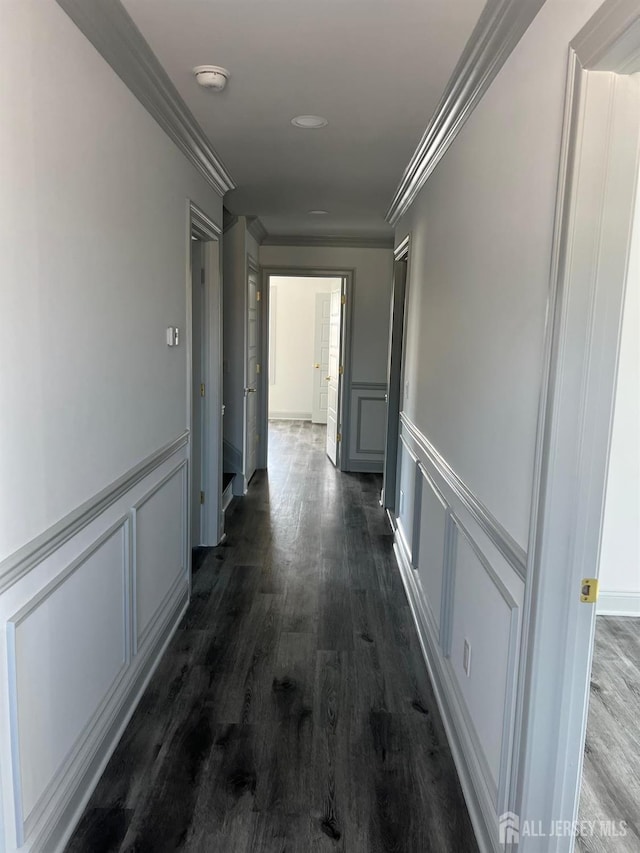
[{"x": 292, "y": 710}]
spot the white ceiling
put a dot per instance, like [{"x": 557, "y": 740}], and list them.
[{"x": 375, "y": 69}]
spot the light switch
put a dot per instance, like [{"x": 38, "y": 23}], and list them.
[{"x": 173, "y": 336}]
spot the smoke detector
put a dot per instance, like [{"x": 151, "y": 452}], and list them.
[{"x": 211, "y": 77}]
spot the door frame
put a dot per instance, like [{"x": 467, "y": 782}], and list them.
[
  {"x": 395, "y": 373},
  {"x": 594, "y": 216},
  {"x": 252, "y": 267},
  {"x": 348, "y": 277},
  {"x": 205, "y": 229}
]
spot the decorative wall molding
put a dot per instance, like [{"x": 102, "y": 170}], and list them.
[
  {"x": 203, "y": 226},
  {"x": 618, "y": 604},
  {"x": 499, "y": 29},
  {"x": 115, "y": 36},
  {"x": 25, "y": 822},
  {"x": 366, "y": 409},
  {"x": 256, "y": 229},
  {"x": 504, "y": 542},
  {"x": 15, "y": 566},
  {"x": 468, "y": 775},
  {"x": 55, "y": 832},
  {"x": 329, "y": 242}
]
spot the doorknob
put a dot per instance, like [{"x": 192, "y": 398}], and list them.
[
  {"x": 249, "y": 390},
  {"x": 317, "y": 366},
  {"x": 327, "y": 378}
]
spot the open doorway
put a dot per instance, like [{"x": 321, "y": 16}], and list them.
[{"x": 305, "y": 352}]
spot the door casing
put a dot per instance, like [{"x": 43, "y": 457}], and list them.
[
  {"x": 203, "y": 227},
  {"x": 348, "y": 276},
  {"x": 594, "y": 215}
]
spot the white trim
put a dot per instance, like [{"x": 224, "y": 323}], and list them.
[
  {"x": 618, "y": 604},
  {"x": 15, "y": 566},
  {"x": 505, "y": 543},
  {"x": 256, "y": 229},
  {"x": 600, "y": 152},
  {"x": 115, "y": 36},
  {"x": 499, "y": 29}
]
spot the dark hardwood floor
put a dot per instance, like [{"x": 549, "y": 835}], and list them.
[
  {"x": 611, "y": 776},
  {"x": 292, "y": 710}
]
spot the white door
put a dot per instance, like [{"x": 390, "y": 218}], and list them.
[
  {"x": 251, "y": 379},
  {"x": 321, "y": 358},
  {"x": 333, "y": 375}
]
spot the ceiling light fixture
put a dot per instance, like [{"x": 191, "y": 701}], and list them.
[
  {"x": 318, "y": 213},
  {"x": 309, "y": 122},
  {"x": 212, "y": 77}
]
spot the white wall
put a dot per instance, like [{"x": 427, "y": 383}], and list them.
[
  {"x": 292, "y": 308},
  {"x": 620, "y": 551},
  {"x": 478, "y": 282},
  {"x": 94, "y": 249},
  {"x": 371, "y": 298},
  {"x": 92, "y": 265},
  {"x": 482, "y": 230}
]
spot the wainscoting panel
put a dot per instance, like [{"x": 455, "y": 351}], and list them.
[
  {"x": 431, "y": 533},
  {"x": 484, "y": 615},
  {"x": 70, "y": 641},
  {"x": 160, "y": 550},
  {"x": 463, "y": 578},
  {"x": 367, "y": 425},
  {"x": 406, "y": 498},
  {"x": 70, "y": 613}
]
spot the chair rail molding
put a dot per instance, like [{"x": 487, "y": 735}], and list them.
[
  {"x": 16, "y": 565},
  {"x": 499, "y": 29},
  {"x": 115, "y": 36},
  {"x": 504, "y": 542}
]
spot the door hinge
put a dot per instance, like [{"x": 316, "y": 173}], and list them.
[
  {"x": 339, "y": 437},
  {"x": 257, "y": 368},
  {"x": 344, "y": 299},
  {"x": 202, "y": 389},
  {"x": 258, "y": 296},
  {"x": 341, "y": 370},
  {"x": 201, "y": 497},
  {"x": 589, "y": 590}
]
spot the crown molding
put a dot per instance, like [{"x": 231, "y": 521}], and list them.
[
  {"x": 110, "y": 29},
  {"x": 334, "y": 242},
  {"x": 610, "y": 41},
  {"x": 256, "y": 229},
  {"x": 499, "y": 28}
]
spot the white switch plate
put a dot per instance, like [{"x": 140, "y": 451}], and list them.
[
  {"x": 466, "y": 658},
  {"x": 173, "y": 336}
]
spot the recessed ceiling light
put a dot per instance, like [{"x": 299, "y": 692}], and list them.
[
  {"x": 318, "y": 213},
  {"x": 309, "y": 122}
]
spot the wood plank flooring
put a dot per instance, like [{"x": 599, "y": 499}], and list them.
[
  {"x": 292, "y": 710},
  {"x": 611, "y": 776}
]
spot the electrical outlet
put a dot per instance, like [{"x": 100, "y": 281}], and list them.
[{"x": 466, "y": 658}]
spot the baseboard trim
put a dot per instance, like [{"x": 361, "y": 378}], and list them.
[
  {"x": 619, "y": 604},
  {"x": 56, "y": 833},
  {"x": 289, "y": 416},
  {"x": 227, "y": 496},
  {"x": 18, "y": 564},
  {"x": 231, "y": 457},
  {"x": 463, "y": 768},
  {"x": 360, "y": 466}
]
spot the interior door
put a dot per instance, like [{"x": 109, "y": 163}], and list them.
[
  {"x": 394, "y": 382},
  {"x": 333, "y": 375},
  {"x": 197, "y": 336},
  {"x": 321, "y": 358},
  {"x": 251, "y": 379}
]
